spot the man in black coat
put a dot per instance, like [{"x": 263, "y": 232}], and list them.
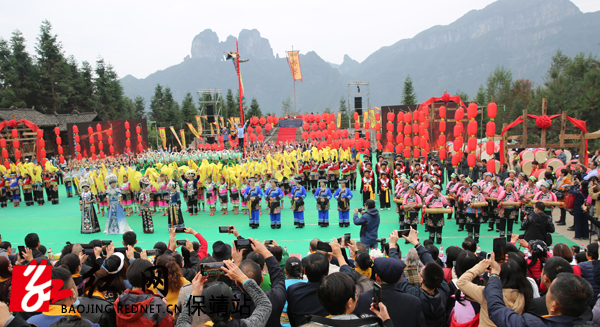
[
  {"x": 405, "y": 309},
  {"x": 302, "y": 297},
  {"x": 277, "y": 293},
  {"x": 537, "y": 225}
]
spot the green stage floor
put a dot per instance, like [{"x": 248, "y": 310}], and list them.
[{"x": 57, "y": 224}]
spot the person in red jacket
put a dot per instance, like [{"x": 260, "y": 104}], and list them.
[{"x": 140, "y": 306}]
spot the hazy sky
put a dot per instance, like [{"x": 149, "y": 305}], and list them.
[{"x": 141, "y": 37}]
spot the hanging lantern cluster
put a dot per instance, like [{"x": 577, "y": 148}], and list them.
[
  {"x": 42, "y": 145},
  {"x": 442, "y": 137},
  {"x": 399, "y": 130},
  {"x": 472, "y": 130},
  {"x": 92, "y": 146},
  {"x": 128, "y": 137},
  {"x": 100, "y": 137},
  {"x": 138, "y": 131},
  {"x": 490, "y": 131},
  {"x": 16, "y": 144},
  {"x": 390, "y": 131},
  {"x": 111, "y": 148},
  {"x": 457, "y": 144},
  {"x": 77, "y": 144},
  {"x": 407, "y": 133},
  {"x": 4, "y": 153},
  {"x": 59, "y": 144}
]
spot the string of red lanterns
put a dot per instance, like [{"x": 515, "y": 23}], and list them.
[
  {"x": 442, "y": 137},
  {"x": 138, "y": 130},
  {"x": 490, "y": 131},
  {"x": 472, "y": 130},
  {"x": 92, "y": 146},
  {"x": 59, "y": 144},
  {"x": 111, "y": 148},
  {"x": 77, "y": 144},
  {"x": 4, "y": 153},
  {"x": 127, "y": 136}
]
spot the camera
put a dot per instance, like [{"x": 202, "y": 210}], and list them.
[
  {"x": 360, "y": 210},
  {"x": 180, "y": 230},
  {"x": 242, "y": 244},
  {"x": 224, "y": 229},
  {"x": 106, "y": 242},
  {"x": 151, "y": 252},
  {"x": 380, "y": 240},
  {"x": 211, "y": 269},
  {"x": 181, "y": 242}
]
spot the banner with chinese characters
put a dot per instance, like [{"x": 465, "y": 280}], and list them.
[
  {"x": 199, "y": 124},
  {"x": 193, "y": 129},
  {"x": 294, "y": 62},
  {"x": 163, "y": 136},
  {"x": 176, "y": 137},
  {"x": 182, "y": 133}
]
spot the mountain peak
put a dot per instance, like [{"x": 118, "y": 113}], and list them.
[{"x": 252, "y": 45}]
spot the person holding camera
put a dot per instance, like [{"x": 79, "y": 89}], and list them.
[{"x": 369, "y": 222}]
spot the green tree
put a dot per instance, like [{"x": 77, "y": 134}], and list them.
[
  {"x": 327, "y": 110},
  {"x": 343, "y": 109},
  {"x": 408, "y": 92},
  {"x": 231, "y": 108},
  {"x": 55, "y": 75},
  {"x": 244, "y": 105},
  {"x": 108, "y": 91},
  {"x": 480, "y": 97},
  {"x": 463, "y": 96},
  {"x": 498, "y": 87},
  {"x": 139, "y": 107},
  {"x": 188, "y": 113},
  {"x": 19, "y": 84},
  {"x": 590, "y": 97},
  {"x": 254, "y": 109},
  {"x": 287, "y": 109}
]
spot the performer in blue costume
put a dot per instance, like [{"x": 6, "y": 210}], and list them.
[
  {"x": 252, "y": 195},
  {"x": 174, "y": 207},
  {"x": 273, "y": 196},
  {"x": 298, "y": 196},
  {"x": 15, "y": 188},
  {"x": 343, "y": 195},
  {"x": 323, "y": 195},
  {"x": 115, "y": 218}
]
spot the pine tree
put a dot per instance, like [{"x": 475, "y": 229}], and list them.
[
  {"x": 286, "y": 107},
  {"x": 344, "y": 111},
  {"x": 480, "y": 98},
  {"x": 156, "y": 105},
  {"x": 231, "y": 107},
  {"x": 408, "y": 93},
  {"x": 140, "y": 107},
  {"x": 463, "y": 96},
  {"x": 254, "y": 109},
  {"x": 20, "y": 75},
  {"x": 108, "y": 91},
  {"x": 188, "y": 113},
  {"x": 55, "y": 75}
]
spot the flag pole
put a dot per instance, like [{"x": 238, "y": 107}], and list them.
[{"x": 237, "y": 59}]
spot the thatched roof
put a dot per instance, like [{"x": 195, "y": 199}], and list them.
[{"x": 47, "y": 120}]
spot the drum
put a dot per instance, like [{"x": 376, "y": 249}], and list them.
[
  {"x": 526, "y": 155},
  {"x": 556, "y": 164},
  {"x": 540, "y": 155},
  {"x": 526, "y": 165}
]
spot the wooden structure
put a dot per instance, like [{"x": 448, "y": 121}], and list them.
[
  {"x": 523, "y": 142},
  {"x": 47, "y": 122}
]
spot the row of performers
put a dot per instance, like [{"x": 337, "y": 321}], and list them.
[
  {"x": 471, "y": 203},
  {"x": 33, "y": 190}
]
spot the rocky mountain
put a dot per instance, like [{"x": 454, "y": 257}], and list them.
[{"x": 522, "y": 35}]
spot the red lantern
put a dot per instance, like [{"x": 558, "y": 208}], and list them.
[
  {"x": 491, "y": 166},
  {"x": 389, "y": 137},
  {"x": 378, "y": 146},
  {"x": 98, "y": 128},
  {"x": 457, "y": 145},
  {"x": 490, "y": 129},
  {"x": 127, "y": 134},
  {"x": 112, "y": 149},
  {"x": 366, "y": 125},
  {"x": 390, "y": 116},
  {"x": 459, "y": 114},
  {"x": 442, "y": 112},
  {"x": 543, "y": 122},
  {"x": 472, "y": 110},
  {"x": 407, "y": 117},
  {"x": 91, "y": 139},
  {"x": 101, "y": 146},
  {"x": 421, "y": 130},
  {"x": 490, "y": 147},
  {"x": 456, "y": 159},
  {"x": 258, "y": 128},
  {"x": 390, "y": 127},
  {"x": 472, "y": 127},
  {"x": 60, "y": 150},
  {"x": 42, "y": 143},
  {"x": 406, "y": 152},
  {"x": 58, "y": 140},
  {"x": 416, "y": 140},
  {"x": 421, "y": 117},
  {"x": 93, "y": 149},
  {"x": 442, "y": 140},
  {"x": 268, "y": 127},
  {"x": 356, "y": 125},
  {"x": 367, "y": 135},
  {"x": 457, "y": 130},
  {"x": 110, "y": 141},
  {"x": 305, "y": 126},
  {"x": 314, "y": 126},
  {"x": 472, "y": 144},
  {"x": 422, "y": 143},
  {"x": 100, "y": 137},
  {"x": 355, "y": 115},
  {"x": 426, "y": 123},
  {"x": 416, "y": 153},
  {"x": 407, "y": 129},
  {"x": 2, "y": 143},
  {"x": 250, "y": 129},
  {"x": 139, "y": 139},
  {"x": 492, "y": 110},
  {"x": 317, "y": 117},
  {"x": 415, "y": 128},
  {"x": 400, "y": 117},
  {"x": 76, "y": 138},
  {"x": 4, "y": 153},
  {"x": 442, "y": 126},
  {"x": 442, "y": 154},
  {"x": 378, "y": 136},
  {"x": 471, "y": 159},
  {"x": 43, "y": 153},
  {"x": 262, "y": 120},
  {"x": 16, "y": 144},
  {"x": 15, "y": 133},
  {"x": 304, "y": 135},
  {"x": 407, "y": 141},
  {"x": 75, "y": 129},
  {"x": 399, "y": 128},
  {"x": 78, "y": 147},
  {"x": 126, "y": 125},
  {"x": 415, "y": 116},
  {"x": 261, "y": 137},
  {"x": 140, "y": 148},
  {"x": 90, "y": 130}
]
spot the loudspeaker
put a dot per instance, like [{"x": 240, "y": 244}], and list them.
[
  {"x": 358, "y": 105},
  {"x": 210, "y": 139},
  {"x": 210, "y": 113}
]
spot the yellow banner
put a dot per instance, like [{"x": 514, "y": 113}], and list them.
[
  {"x": 176, "y": 137},
  {"x": 193, "y": 130},
  {"x": 339, "y": 124},
  {"x": 163, "y": 136},
  {"x": 294, "y": 62},
  {"x": 182, "y": 133},
  {"x": 223, "y": 122},
  {"x": 372, "y": 117},
  {"x": 199, "y": 124},
  {"x": 217, "y": 127},
  {"x": 212, "y": 131},
  {"x": 365, "y": 118}
]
